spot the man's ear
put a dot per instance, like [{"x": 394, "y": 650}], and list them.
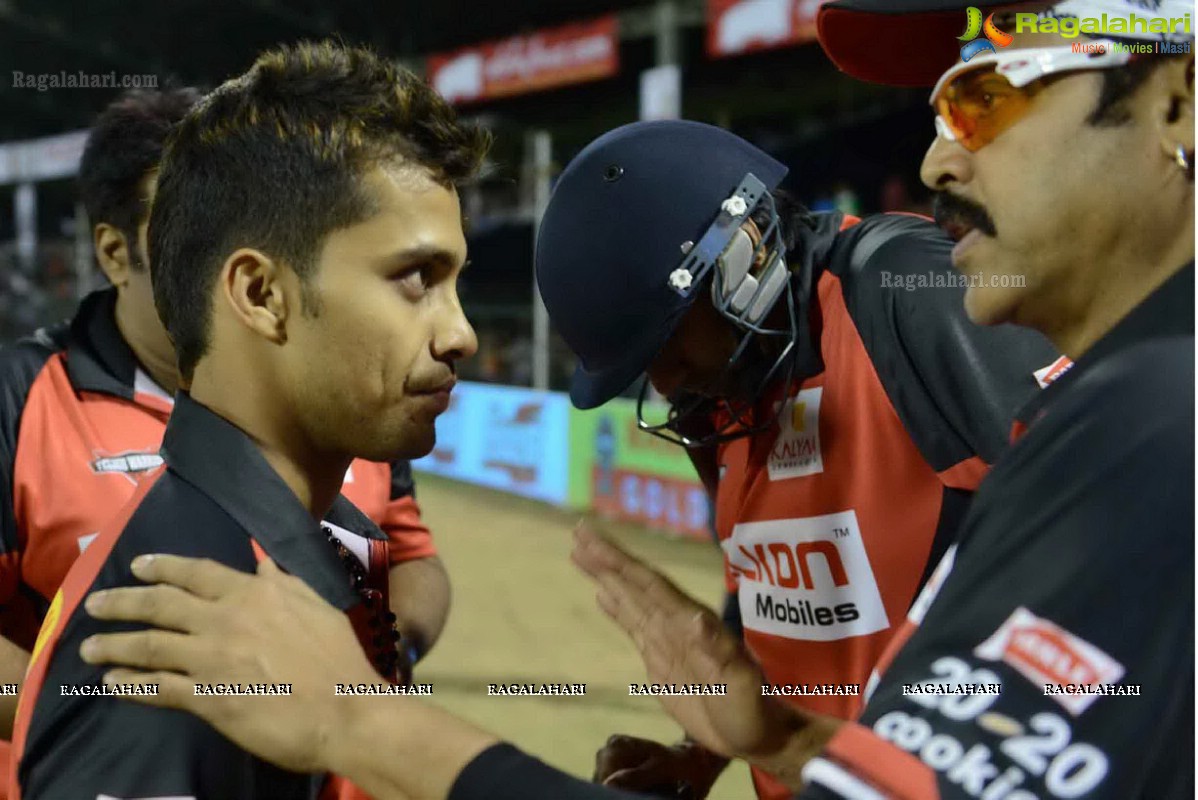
[
  {"x": 1176, "y": 120},
  {"x": 112, "y": 253},
  {"x": 255, "y": 287}
]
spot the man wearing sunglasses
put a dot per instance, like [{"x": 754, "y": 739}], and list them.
[{"x": 1071, "y": 586}]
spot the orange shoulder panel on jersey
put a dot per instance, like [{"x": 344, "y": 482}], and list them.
[
  {"x": 5, "y": 767},
  {"x": 966, "y": 475},
  {"x": 895, "y": 773},
  {"x": 924, "y": 217},
  {"x": 339, "y": 788},
  {"x": 368, "y": 485},
  {"x": 68, "y": 598},
  {"x": 80, "y": 457}
]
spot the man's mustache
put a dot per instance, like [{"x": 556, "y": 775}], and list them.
[{"x": 951, "y": 211}]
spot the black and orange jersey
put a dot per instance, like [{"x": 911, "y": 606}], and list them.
[
  {"x": 216, "y": 498},
  {"x": 1052, "y": 653},
  {"x": 80, "y": 428},
  {"x": 833, "y": 519},
  {"x": 829, "y": 520}
]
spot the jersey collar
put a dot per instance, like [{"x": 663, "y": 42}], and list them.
[
  {"x": 221, "y": 460},
  {"x": 98, "y": 358}
]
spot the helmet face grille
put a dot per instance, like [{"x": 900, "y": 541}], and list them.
[{"x": 621, "y": 252}]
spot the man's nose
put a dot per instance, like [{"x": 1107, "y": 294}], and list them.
[{"x": 946, "y": 163}]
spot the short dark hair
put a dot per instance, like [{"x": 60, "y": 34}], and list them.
[
  {"x": 1119, "y": 85},
  {"x": 124, "y": 145},
  {"x": 793, "y": 218},
  {"x": 272, "y": 160}
]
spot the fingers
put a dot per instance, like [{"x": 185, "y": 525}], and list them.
[
  {"x": 627, "y": 609},
  {"x": 200, "y": 576},
  {"x": 644, "y": 778},
  {"x": 592, "y": 553},
  {"x": 620, "y": 753},
  {"x": 163, "y": 606},
  {"x": 148, "y": 649},
  {"x": 596, "y": 555},
  {"x": 599, "y": 557},
  {"x": 271, "y": 578}
]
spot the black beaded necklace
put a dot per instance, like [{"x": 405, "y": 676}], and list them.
[{"x": 384, "y": 648}]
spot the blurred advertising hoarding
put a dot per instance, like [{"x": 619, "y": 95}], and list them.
[
  {"x": 44, "y": 159},
  {"x": 627, "y": 474},
  {"x": 745, "y": 26},
  {"x": 504, "y": 437},
  {"x": 541, "y": 60},
  {"x": 536, "y": 445}
]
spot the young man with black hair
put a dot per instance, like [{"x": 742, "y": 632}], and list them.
[
  {"x": 86, "y": 403},
  {"x": 304, "y": 264}
]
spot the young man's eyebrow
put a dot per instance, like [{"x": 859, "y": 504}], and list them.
[{"x": 422, "y": 253}]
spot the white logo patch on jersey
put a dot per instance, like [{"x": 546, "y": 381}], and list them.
[
  {"x": 806, "y": 578},
  {"x": 1046, "y": 375},
  {"x": 1045, "y": 653},
  {"x": 796, "y": 451},
  {"x": 132, "y": 464}
]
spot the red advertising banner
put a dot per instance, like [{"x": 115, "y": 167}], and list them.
[
  {"x": 554, "y": 57},
  {"x": 744, "y": 26},
  {"x": 655, "y": 501}
]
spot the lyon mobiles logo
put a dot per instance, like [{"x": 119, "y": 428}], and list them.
[
  {"x": 133, "y": 465},
  {"x": 807, "y": 578},
  {"x": 975, "y": 27}
]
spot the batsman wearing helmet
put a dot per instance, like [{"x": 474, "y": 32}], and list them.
[{"x": 840, "y": 415}]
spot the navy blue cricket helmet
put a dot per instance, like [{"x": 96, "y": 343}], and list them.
[{"x": 621, "y": 221}]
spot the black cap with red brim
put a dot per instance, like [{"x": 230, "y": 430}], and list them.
[{"x": 895, "y": 42}]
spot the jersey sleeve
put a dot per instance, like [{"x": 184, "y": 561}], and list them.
[
  {"x": 407, "y": 534},
  {"x": 106, "y": 747},
  {"x": 20, "y": 364},
  {"x": 71, "y": 742},
  {"x": 502, "y": 772},
  {"x": 1057, "y": 659},
  {"x": 118, "y": 749},
  {"x": 955, "y": 385}
]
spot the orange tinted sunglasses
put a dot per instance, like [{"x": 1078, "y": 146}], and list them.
[{"x": 976, "y": 101}]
